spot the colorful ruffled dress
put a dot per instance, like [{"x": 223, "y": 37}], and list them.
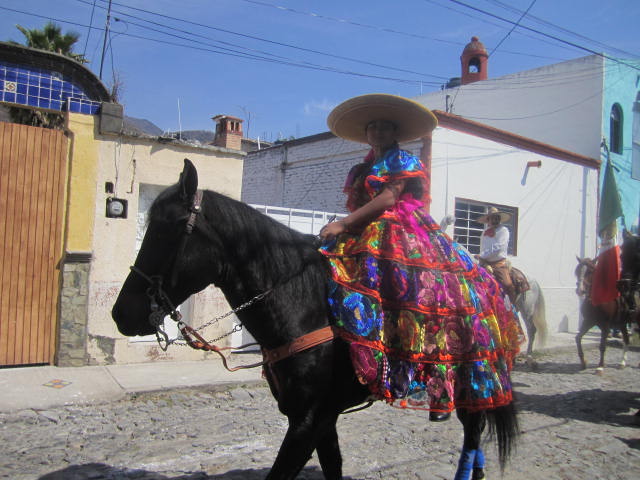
[{"x": 427, "y": 327}]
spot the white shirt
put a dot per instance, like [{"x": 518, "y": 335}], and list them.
[{"x": 495, "y": 248}]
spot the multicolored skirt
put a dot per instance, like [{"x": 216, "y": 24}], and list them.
[{"x": 428, "y": 328}]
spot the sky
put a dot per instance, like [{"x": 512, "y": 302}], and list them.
[{"x": 282, "y": 65}]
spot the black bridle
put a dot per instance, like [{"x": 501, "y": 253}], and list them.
[{"x": 160, "y": 302}]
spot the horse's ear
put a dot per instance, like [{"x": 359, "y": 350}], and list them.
[{"x": 188, "y": 179}]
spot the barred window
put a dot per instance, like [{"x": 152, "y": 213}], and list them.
[{"x": 467, "y": 230}]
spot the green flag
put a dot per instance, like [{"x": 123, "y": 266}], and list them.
[{"x": 610, "y": 206}]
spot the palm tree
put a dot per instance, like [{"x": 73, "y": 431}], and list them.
[{"x": 51, "y": 39}]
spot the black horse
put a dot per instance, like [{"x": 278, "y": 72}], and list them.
[
  {"x": 629, "y": 284},
  {"x": 279, "y": 279}
]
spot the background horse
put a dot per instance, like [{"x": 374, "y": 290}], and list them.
[
  {"x": 629, "y": 284},
  {"x": 531, "y": 306},
  {"x": 596, "y": 315},
  {"x": 277, "y": 281},
  {"x": 530, "y": 303}
]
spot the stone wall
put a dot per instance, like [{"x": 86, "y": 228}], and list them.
[{"x": 72, "y": 348}]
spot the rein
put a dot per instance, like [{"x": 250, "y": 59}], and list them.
[{"x": 162, "y": 306}]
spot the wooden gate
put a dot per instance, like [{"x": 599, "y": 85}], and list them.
[{"x": 32, "y": 179}]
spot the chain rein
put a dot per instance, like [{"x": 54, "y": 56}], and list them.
[{"x": 162, "y": 306}]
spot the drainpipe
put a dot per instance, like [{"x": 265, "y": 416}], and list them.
[
  {"x": 425, "y": 158},
  {"x": 583, "y": 220},
  {"x": 283, "y": 170}
]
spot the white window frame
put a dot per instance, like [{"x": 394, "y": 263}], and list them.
[{"x": 467, "y": 231}]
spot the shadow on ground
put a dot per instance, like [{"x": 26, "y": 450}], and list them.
[
  {"x": 596, "y": 406},
  {"x": 100, "y": 471},
  {"x": 613, "y": 356}
]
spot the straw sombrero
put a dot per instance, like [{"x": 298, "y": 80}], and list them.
[
  {"x": 504, "y": 216},
  {"x": 349, "y": 119}
]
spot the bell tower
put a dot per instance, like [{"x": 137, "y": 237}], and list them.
[{"x": 474, "y": 61}]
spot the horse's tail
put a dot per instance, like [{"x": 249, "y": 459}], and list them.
[
  {"x": 503, "y": 424},
  {"x": 539, "y": 319}
]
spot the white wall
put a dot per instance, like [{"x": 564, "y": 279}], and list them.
[
  {"x": 551, "y": 212},
  {"x": 558, "y": 104},
  {"x": 556, "y": 221},
  {"x": 129, "y": 163}
]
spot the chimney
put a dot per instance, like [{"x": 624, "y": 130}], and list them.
[
  {"x": 228, "y": 132},
  {"x": 475, "y": 62}
]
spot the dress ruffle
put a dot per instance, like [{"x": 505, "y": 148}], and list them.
[{"x": 428, "y": 328}]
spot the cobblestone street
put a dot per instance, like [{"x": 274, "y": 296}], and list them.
[{"x": 575, "y": 425}]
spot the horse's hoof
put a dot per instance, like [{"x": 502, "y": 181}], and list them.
[
  {"x": 478, "y": 474},
  {"x": 600, "y": 371},
  {"x": 622, "y": 366}
]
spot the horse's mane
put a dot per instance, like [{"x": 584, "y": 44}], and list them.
[{"x": 262, "y": 245}]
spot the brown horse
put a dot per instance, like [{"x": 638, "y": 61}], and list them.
[{"x": 605, "y": 316}]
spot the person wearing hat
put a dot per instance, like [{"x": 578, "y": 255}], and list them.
[
  {"x": 419, "y": 315},
  {"x": 494, "y": 244}
]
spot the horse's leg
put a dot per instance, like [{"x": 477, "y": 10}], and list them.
[
  {"x": 471, "y": 458},
  {"x": 329, "y": 455},
  {"x": 584, "y": 328},
  {"x": 604, "y": 333},
  {"x": 625, "y": 344},
  {"x": 299, "y": 443},
  {"x": 531, "y": 332},
  {"x": 527, "y": 315}
]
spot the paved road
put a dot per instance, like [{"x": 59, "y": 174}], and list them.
[{"x": 575, "y": 425}]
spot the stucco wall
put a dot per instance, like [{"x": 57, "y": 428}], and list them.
[
  {"x": 621, "y": 86},
  {"x": 81, "y": 191},
  {"x": 558, "y": 104},
  {"x": 129, "y": 162},
  {"x": 556, "y": 221},
  {"x": 551, "y": 205}
]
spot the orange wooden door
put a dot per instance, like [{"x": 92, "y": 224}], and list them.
[{"x": 32, "y": 179}]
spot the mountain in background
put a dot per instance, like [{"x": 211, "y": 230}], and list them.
[{"x": 139, "y": 126}]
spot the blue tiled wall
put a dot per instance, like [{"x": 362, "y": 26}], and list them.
[{"x": 37, "y": 87}]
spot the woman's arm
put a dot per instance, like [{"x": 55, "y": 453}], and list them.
[{"x": 368, "y": 212}]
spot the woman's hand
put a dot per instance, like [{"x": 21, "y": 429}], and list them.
[{"x": 332, "y": 230}]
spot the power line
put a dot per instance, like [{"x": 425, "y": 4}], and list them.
[
  {"x": 308, "y": 50},
  {"x": 524, "y": 14},
  {"x": 239, "y": 54},
  {"x": 345, "y": 21},
  {"x": 557, "y": 27},
  {"x": 566, "y": 42},
  {"x": 93, "y": 9}
]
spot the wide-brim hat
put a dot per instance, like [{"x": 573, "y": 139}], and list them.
[
  {"x": 350, "y": 119},
  {"x": 504, "y": 216}
]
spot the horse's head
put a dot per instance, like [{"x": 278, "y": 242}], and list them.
[
  {"x": 584, "y": 273},
  {"x": 167, "y": 269}
]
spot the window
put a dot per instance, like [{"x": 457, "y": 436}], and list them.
[
  {"x": 467, "y": 230},
  {"x": 615, "y": 129}
]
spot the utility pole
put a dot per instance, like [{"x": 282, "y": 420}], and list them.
[{"x": 106, "y": 34}]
